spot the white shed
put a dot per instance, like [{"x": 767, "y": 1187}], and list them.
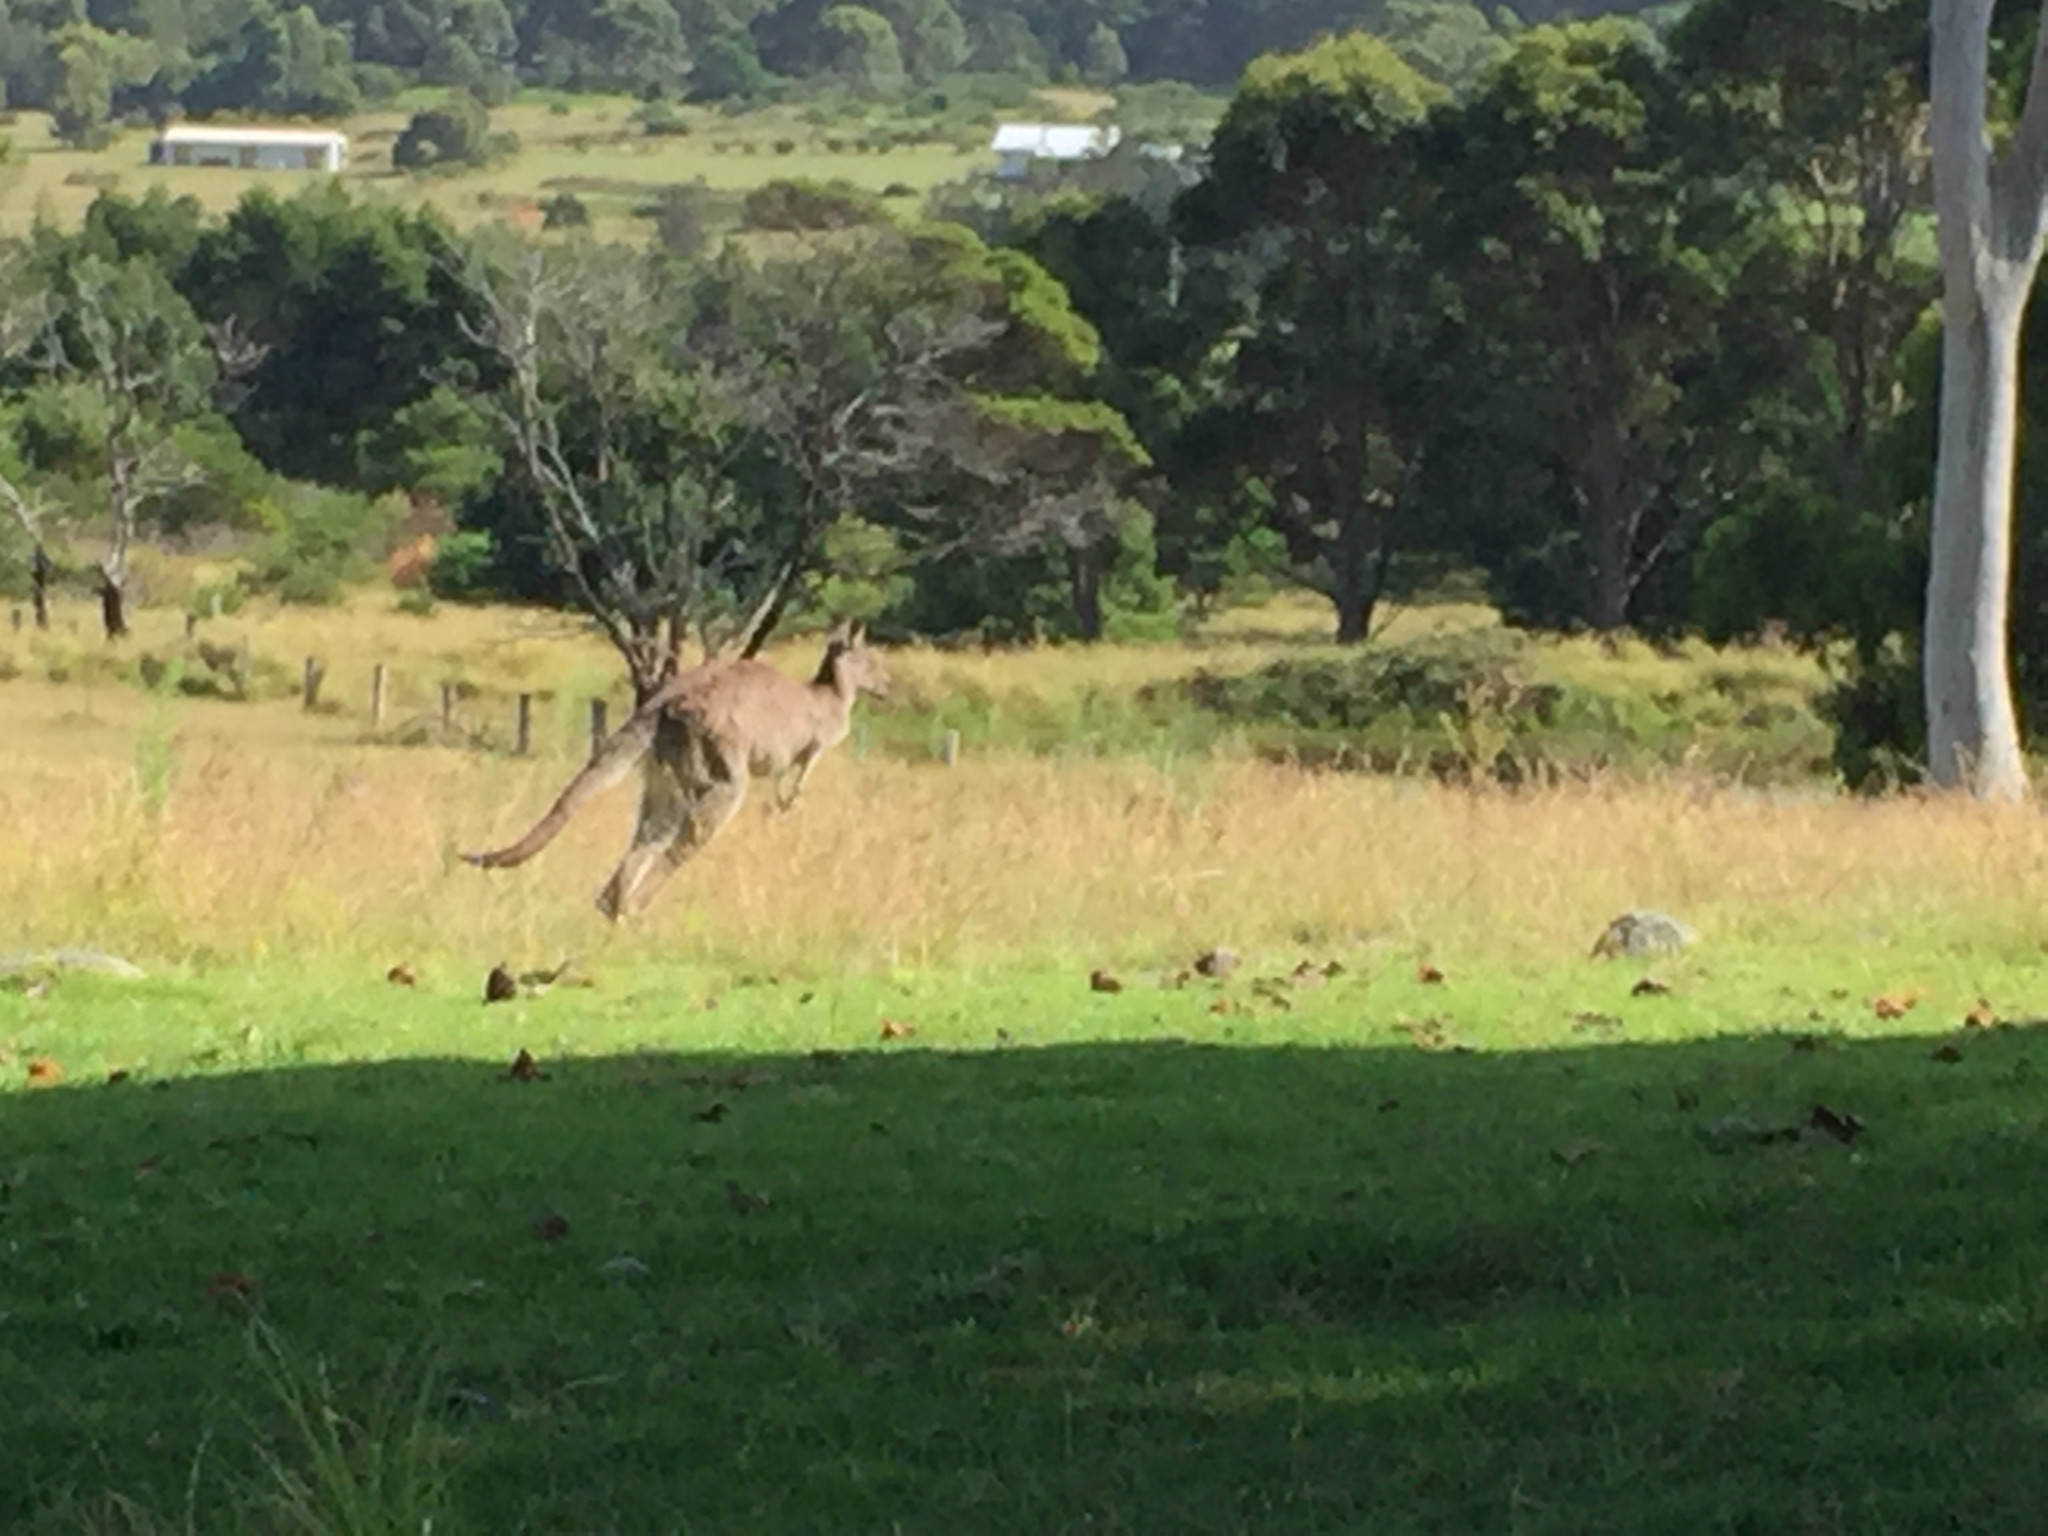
[
  {"x": 251, "y": 149},
  {"x": 1018, "y": 145}
]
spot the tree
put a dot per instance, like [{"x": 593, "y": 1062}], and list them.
[
  {"x": 1991, "y": 215},
  {"x": 1595, "y": 272},
  {"x": 1326, "y": 411},
  {"x": 620, "y": 457},
  {"x": 868, "y": 54},
  {"x": 131, "y": 344}
]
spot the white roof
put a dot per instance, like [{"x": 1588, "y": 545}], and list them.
[
  {"x": 192, "y": 133},
  {"x": 1053, "y": 141}
]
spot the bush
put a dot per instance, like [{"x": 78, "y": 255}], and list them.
[
  {"x": 321, "y": 539},
  {"x": 660, "y": 120},
  {"x": 811, "y": 205},
  {"x": 565, "y": 210},
  {"x": 456, "y": 133}
]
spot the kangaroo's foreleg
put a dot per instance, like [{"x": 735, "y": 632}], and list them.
[{"x": 791, "y": 784}]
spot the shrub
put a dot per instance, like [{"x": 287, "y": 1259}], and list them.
[
  {"x": 811, "y": 205},
  {"x": 456, "y": 133},
  {"x": 565, "y": 210}
]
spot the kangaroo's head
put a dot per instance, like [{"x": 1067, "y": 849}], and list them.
[{"x": 850, "y": 666}]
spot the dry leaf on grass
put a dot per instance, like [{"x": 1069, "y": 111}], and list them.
[
  {"x": 552, "y": 1227},
  {"x": 1429, "y": 975},
  {"x": 1573, "y": 1153},
  {"x": 1896, "y": 1005},
  {"x": 230, "y": 1283},
  {"x": 525, "y": 1069},
  {"x": 1983, "y": 1016},
  {"x": 403, "y": 976},
  {"x": 44, "y": 1072},
  {"x": 1844, "y": 1128},
  {"x": 1948, "y": 1052},
  {"x": 500, "y": 986},
  {"x": 1217, "y": 963},
  {"x": 892, "y": 1030},
  {"x": 1100, "y": 980},
  {"x": 1650, "y": 986},
  {"x": 712, "y": 1115}
]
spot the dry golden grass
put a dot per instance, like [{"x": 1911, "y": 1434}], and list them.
[{"x": 197, "y": 831}]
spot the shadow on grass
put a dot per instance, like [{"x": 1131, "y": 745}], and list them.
[{"x": 1140, "y": 1288}]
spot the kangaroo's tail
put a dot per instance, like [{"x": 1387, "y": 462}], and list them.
[{"x": 613, "y": 761}]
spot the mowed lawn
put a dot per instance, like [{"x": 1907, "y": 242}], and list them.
[
  {"x": 993, "y": 1250},
  {"x": 589, "y": 146}
]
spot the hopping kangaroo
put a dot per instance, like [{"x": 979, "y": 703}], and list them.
[{"x": 707, "y": 731}]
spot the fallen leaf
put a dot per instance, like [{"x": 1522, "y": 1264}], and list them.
[
  {"x": 1226, "y": 1005},
  {"x": 44, "y": 1072},
  {"x": 713, "y": 1115},
  {"x": 118, "y": 1075},
  {"x": 552, "y": 1227},
  {"x": 1572, "y": 1153},
  {"x": 1308, "y": 974},
  {"x": 1838, "y": 993},
  {"x": 1844, "y": 1128},
  {"x": 1216, "y": 964},
  {"x": 402, "y": 975},
  {"x": 1333, "y": 970},
  {"x": 1650, "y": 986},
  {"x": 1896, "y": 1005},
  {"x": 1429, "y": 975},
  {"x": 229, "y": 1282},
  {"x": 1983, "y": 1016},
  {"x": 1948, "y": 1051},
  {"x": 742, "y": 1201},
  {"x": 147, "y": 1169},
  {"x": 36, "y": 991},
  {"x": 1002, "y": 1036},
  {"x": 1389, "y": 1104},
  {"x": 525, "y": 1069},
  {"x": 500, "y": 986},
  {"x": 1100, "y": 980},
  {"x": 892, "y": 1030}
]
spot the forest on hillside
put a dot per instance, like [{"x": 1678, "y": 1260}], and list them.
[{"x": 89, "y": 59}]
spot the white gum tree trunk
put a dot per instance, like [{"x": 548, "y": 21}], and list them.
[{"x": 1992, "y": 214}]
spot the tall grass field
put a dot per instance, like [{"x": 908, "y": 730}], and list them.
[{"x": 902, "y": 1170}]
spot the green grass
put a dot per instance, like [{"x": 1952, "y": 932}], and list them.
[{"x": 1061, "y": 1259}]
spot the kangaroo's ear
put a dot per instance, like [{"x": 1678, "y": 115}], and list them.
[{"x": 857, "y": 632}]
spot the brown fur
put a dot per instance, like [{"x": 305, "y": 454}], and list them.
[{"x": 704, "y": 735}]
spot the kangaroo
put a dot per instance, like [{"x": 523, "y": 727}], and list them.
[{"x": 708, "y": 731}]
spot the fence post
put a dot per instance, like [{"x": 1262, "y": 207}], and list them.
[
  {"x": 309, "y": 686},
  {"x": 191, "y": 623},
  {"x": 447, "y": 707},
  {"x": 522, "y": 739},
  {"x": 949, "y": 748},
  {"x": 597, "y": 725},
  {"x": 377, "y": 677}
]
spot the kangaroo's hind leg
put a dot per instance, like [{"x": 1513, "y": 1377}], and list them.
[
  {"x": 667, "y": 794},
  {"x": 690, "y": 792}
]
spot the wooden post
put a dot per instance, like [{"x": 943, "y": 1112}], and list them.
[
  {"x": 309, "y": 686},
  {"x": 191, "y": 625},
  {"x": 447, "y": 707},
  {"x": 949, "y": 748},
  {"x": 377, "y": 679},
  {"x": 522, "y": 737},
  {"x": 597, "y": 725}
]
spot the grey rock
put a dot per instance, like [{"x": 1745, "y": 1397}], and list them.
[{"x": 1643, "y": 933}]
